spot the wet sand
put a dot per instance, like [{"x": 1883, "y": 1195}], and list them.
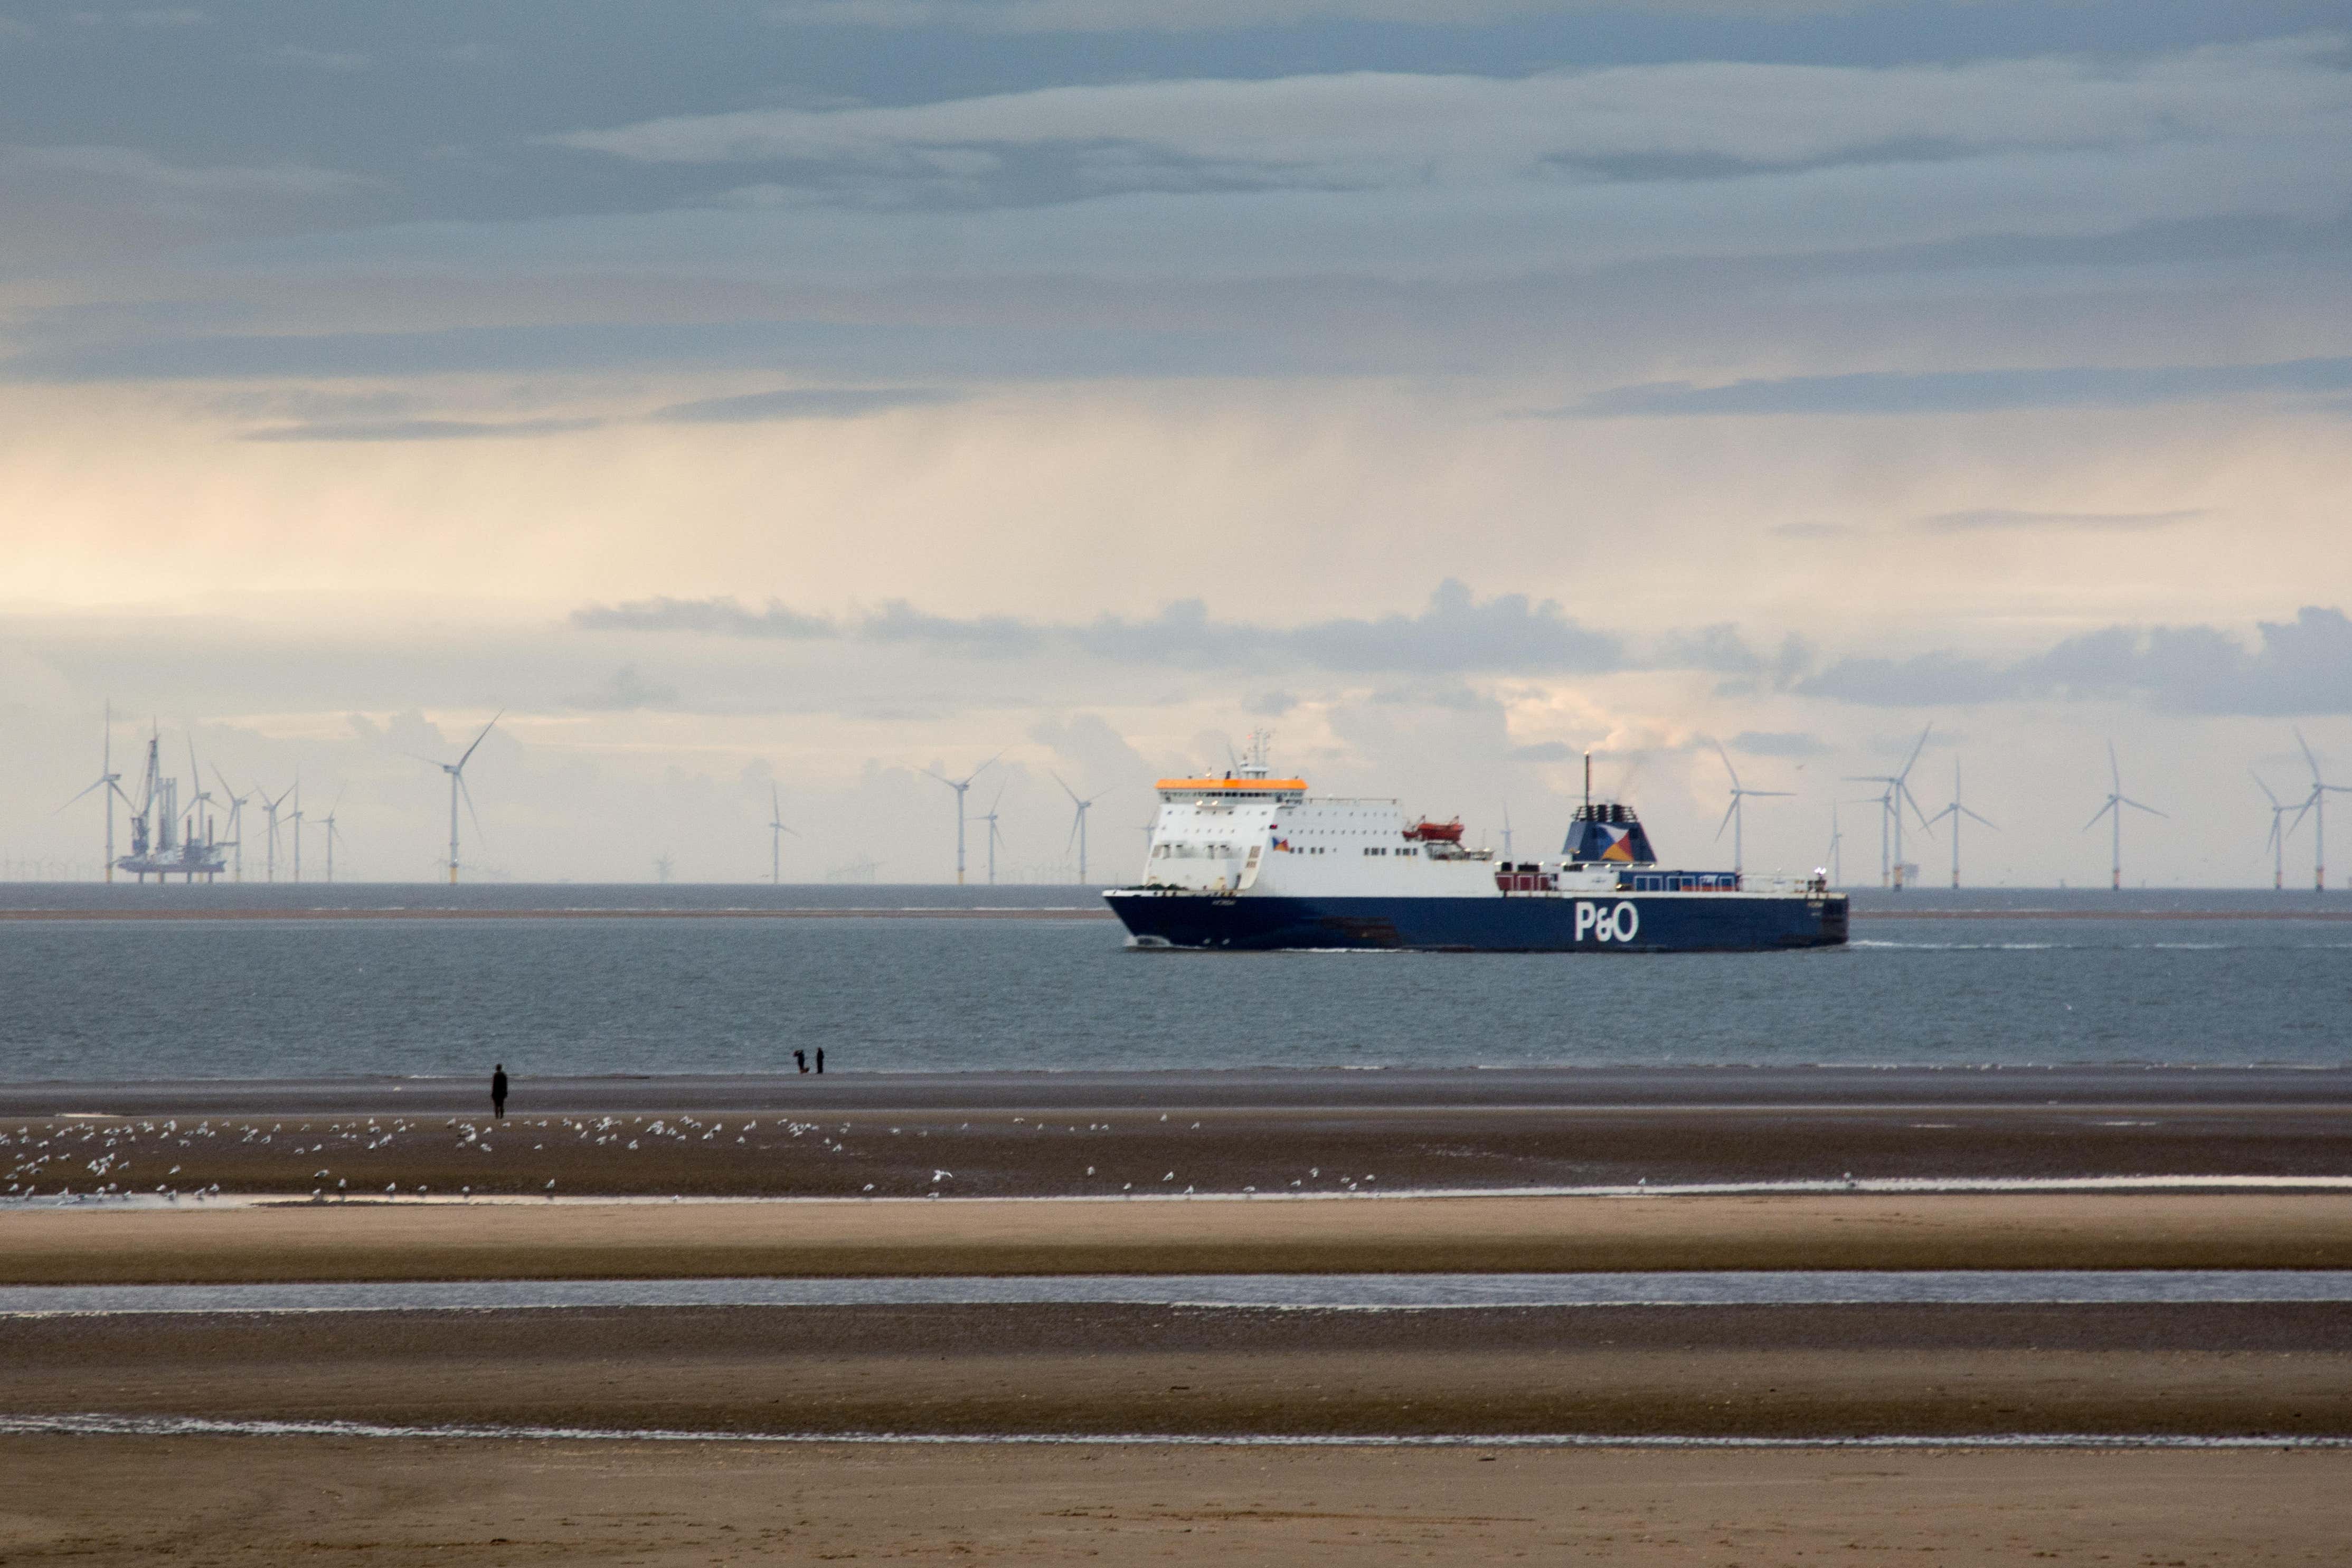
[
  {"x": 1468, "y": 1234},
  {"x": 1100, "y": 1135},
  {"x": 1716, "y": 1372},
  {"x": 204, "y": 1501}
]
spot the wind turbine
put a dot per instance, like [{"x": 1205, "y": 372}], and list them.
[
  {"x": 111, "y": 782},
  {"x": 269, "y": 809},
  {"x": 456, "y": 771},
  {"x": 959, "y": 785},
  {"x": 333, "y": 833},
  {"x": 1734, "y": 817},
  {"x": 2316, "y": 802},
  {"x": 199, "y": 825},
  {"x": 235, "y": 818},
  {"x": 2276, "y": 842},
  {"x": 776, "y": 831},
  {"x": 1078, "y": 826},
  {"x": 1506, "y": 833},
  {"x": 1956, "y": 811},
  {"x": 996, "y": 834},
  {"x": 298, "y": 825},
  {"x": 2117, "y": 801},
  {"x": 1837, "y": 839},
  {"x": 1891, "y": 799}
]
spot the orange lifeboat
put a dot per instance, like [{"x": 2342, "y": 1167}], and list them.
[{"x": 1427, "y": 832}]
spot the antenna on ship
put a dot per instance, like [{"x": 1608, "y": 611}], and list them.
[
  {"x": 1588, "y": 784},
  {"x": 959, "y": 785}
]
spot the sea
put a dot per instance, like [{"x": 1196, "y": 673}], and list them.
[{"x": 2035, "y": 976}]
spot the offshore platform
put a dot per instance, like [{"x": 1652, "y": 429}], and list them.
[{"x": 164, "y": 839}]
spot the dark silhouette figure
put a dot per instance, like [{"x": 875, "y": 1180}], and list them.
[
  {"x": 801, "y": 1057},
  {"x": 820, "y": 1059},
  {"x": 499, "y": 1091}
]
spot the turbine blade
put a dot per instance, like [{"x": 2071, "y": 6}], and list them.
[
  {"x": 481, "y": 738},
  {"x": 1064, "y": 783},
  {"x": 1726, "y": 764},
  {"x": 2307, "y": 753},
  {"x": 471, "y": 815},
  {"x": 2138, "y": 806},
  {"x": 1783, "y": 793},
  {"x": 2096, "y": 815},
  {"x": 2115, "y": 771},
  {"x": 1726, "y": 816},
  {"x": 1916, "y": 751},
  {"x": 1966, "y": 812},
  {"x": 2264, "y": 787}
]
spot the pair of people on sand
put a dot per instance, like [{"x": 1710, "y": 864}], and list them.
[{"x": 801, "y": 1057}]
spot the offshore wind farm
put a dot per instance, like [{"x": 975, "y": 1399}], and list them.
[{"x": 176, "y": 828}]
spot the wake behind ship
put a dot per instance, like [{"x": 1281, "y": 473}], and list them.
[{"x": 1251, "y": 862}]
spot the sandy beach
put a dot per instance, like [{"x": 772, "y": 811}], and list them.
[
  {"x": 207, "y": 1501},
  {"x": 455, "y": 1241}
]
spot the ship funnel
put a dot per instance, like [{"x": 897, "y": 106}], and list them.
[{"x": 1608, "y": 832}]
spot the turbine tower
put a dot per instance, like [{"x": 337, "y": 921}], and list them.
[
  {"x": 456, "y": 771},
  {"x": 1891, "y": 801},
  {"x": 996, "y": 834},
  {"x": 1078, "y": 825},
  {"x": 1835, "y": 861},
  {"x": 333, "y": 833},
  {"x": 298, "y": 825},
  {"x": 2316, "y": 802},
  {"x": 2276, "y": 842},
  {"x": 2117, "y": 801},
  {"x": 111, "y": 784},
  {"x": 1734, "y": 817},
  {"x": 1956, "y": 811},
  {"x": 959, "y": 785},
  {"x": 235, "y": 818},
  {"x": 199, "y": 829},
  {"x": 776, "y": 831},
  {"x": 270, "y": 809}
]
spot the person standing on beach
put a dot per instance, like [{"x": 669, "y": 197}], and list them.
[
  {"x": 499, "y": 1091},
  {"x": 820, "y": 1059},
  {"x": 801, "y": 1057}
]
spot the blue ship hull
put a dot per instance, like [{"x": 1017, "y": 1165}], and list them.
[{"x": 1628, "y": 923}]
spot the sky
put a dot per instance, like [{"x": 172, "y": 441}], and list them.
[{"x": 753, "y": 406}]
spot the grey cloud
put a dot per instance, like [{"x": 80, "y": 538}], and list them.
[
  {"x": 421, "y": 430},
  {"x": 1968, "y": 391},
  {"x": 1457, "y": 633},
  {"x": 710, "y": 617},
  {"x": 319, "y": 59},
  {"x": 137, "y": 168},
  {"x": 624, "y": 690},
  {"x": 1778, "y": 743},
  {"x": 803, "y": 402},
  {"x": 2302, "y": 665},
  {"x": 2093, "y": 522},
  {"x": 858, "y": 348},
  {"x": 1202, "y": 16},
  {"x": 1545, "y": 752}
]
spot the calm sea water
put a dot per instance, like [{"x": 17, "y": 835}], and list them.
[{"x": 306, "y": 997}]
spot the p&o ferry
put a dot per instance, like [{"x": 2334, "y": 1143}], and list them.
[{"x": 1252, "y": 862}]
